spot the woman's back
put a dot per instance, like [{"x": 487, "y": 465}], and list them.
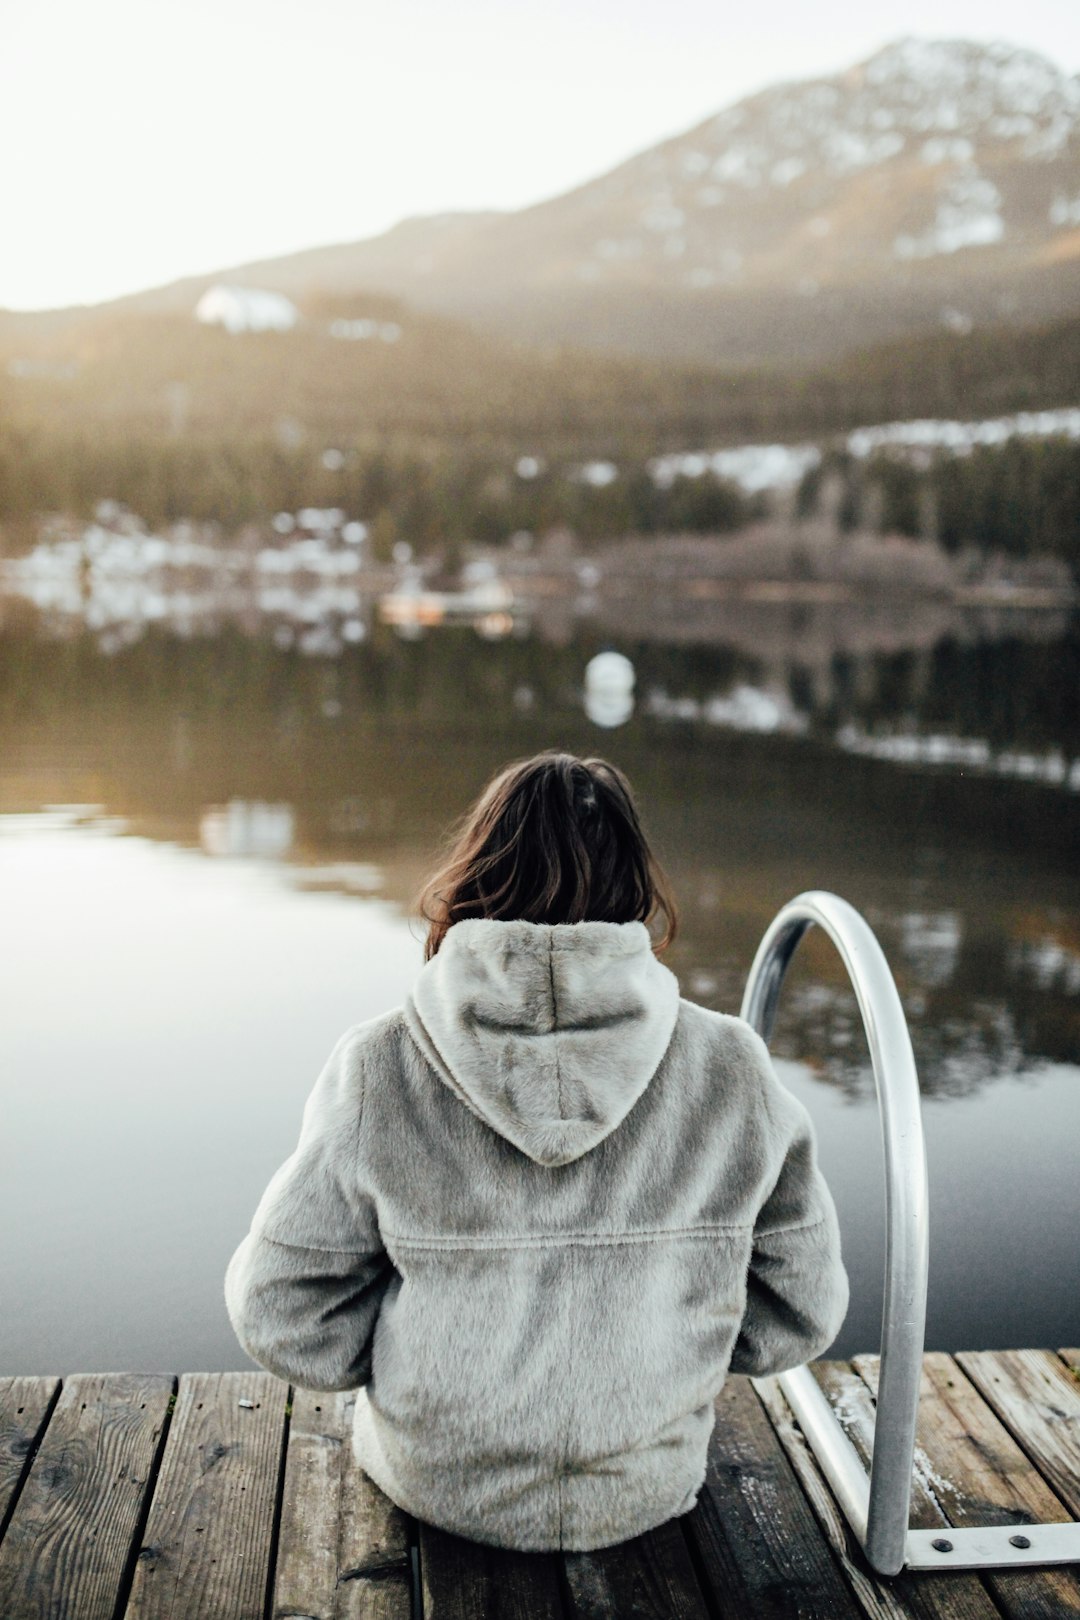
[{"x": 537, "y": 1214}]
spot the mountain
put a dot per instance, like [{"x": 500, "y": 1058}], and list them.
[{"x": 935, "y": 184}]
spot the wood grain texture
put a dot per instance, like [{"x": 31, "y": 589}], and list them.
[
  {"x": 25, "y": 1406},
  {"x": 68, "y": 1545},
  {"x": 207, "y": 1543},
  {"x": 343, "y": 1547},
  {"x": 1071, "y": 1358},
  {"x": 755, "y": 1537},
  {"x": 876, "y": 1598},
  {"x": 462, "y": 1580},
  {"x": 980, "y": 1476},
  {"x": 649, "y": 1578},
  {"x": 1038, "y": 1400}
]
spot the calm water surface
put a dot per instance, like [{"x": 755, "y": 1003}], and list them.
[{"x": 209, "y": 842}]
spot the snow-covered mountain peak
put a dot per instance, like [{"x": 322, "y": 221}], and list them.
[
  {"x": 993, "y": 89},
  {"x": 1021, "y": 80},
  {"x": 798, "y": 171},
  {"x": 937, "y": 98}
]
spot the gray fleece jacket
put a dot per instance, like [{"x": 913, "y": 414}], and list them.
[{"x": 535, "y": 1216}]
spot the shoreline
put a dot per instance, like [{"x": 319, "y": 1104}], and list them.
[{"x": 791, "y": 593}]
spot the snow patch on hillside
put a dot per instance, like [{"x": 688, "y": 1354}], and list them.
[
  {"x": 968, "y": 215},
  {"x": 1065, "y": 210}
]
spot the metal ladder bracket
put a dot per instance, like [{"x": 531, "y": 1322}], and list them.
[{"x": 991, "y": 1546}]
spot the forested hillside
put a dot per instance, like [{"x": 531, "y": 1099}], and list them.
[{"x": 182, "y": 419}]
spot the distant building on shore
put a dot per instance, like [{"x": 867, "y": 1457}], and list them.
[{"x": 246, "y": 309}]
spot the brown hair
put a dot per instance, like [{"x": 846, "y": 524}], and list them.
[{"x": 552, "y": 839}]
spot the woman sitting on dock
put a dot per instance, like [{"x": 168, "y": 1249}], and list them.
[{"x": 539, "y": 1212}]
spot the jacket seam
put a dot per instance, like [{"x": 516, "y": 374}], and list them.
[
  {"x": 552, "y": 1240},
  {"x": 360, "y": 1115},
  {"x": 796, "y": 1226},
  {"x": 555, "y": 1026},
  {"x": 569, "y": 1429},
  {"x": 309, "y": 1248},
  {"x": 439, "y": 1068}
]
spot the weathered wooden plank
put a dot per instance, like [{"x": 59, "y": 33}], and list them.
[
  {"x": 462, "y": 1580},
  {"x": 1071, "y": 1358},
  {"x": 1038, "y": 1400},
  {"x": 25, "y": 1406},
  {"x": 374, "y": 1575},
  {"x": 343, "y": 1547},
  {"x": 979, "y": 1475},
  {"x": 878, "y": 1601},
  {"x": 306, "y": 1569},
  {"x": 207, "y": 1543},
  {"x": 648, "y": 1578},
  {"x": 69, "y": 1542},
  {"x": 927, "y": 1597},
  {"x": 754, "y": 1534}
]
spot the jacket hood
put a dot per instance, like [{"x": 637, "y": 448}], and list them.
[{"x": 549, "y": 1032}]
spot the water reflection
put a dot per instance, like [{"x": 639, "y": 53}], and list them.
[
  {"x": 331, "y": 779},
  {"x": 1007, "y": 704},
  {"x": 744, "y": 708},
  {"x": 349, "y": 771},
  {"x": 484, "y": 601},
  {"x": 239, "y": 828},
  {"x": 609, "y": 689}
]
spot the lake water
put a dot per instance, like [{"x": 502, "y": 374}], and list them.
[{"x": 210, "y": 835}]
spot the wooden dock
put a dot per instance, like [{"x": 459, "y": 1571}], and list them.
[{"x": 228, "y": 1496}]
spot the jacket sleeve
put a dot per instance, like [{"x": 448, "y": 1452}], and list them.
[
  {"x": 304, "y": 1287},
  {"x": 796, "y": 1286}
]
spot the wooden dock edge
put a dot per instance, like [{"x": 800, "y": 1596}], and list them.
[{"x": 231, "y": 1496}]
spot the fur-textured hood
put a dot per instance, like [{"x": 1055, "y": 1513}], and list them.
[{"x": 550, "y": 1033}]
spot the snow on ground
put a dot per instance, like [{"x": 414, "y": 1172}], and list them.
[
  {"x": 777, "y": 467},
  {"x": 961, "y": 437},
  {"x": 360, "y": 330},
  {"x": 1065, "y": 210},
  {"x": 968, "y": 215},
  {"x": 754, "y": 467},
  {"x": 910, "y": 748}
]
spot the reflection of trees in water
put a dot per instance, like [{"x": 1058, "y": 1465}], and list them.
[
  {"x": 378, "y": 751},
  {"x": 920, "y": 666},
  {"x": 512, "y": 697},
  {"x": 1014, "y": 692},
  {"x": 980, "y": 1005}
]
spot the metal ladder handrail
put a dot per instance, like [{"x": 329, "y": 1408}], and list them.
[
  {"x": 878, "y": 1510},
  {"x": 878, "y": 1507}
]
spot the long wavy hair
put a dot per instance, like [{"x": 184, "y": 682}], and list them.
[{"x": 552, "y": 839}]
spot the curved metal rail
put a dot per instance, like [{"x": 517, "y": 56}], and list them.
[{"x": 877, "y": 1509}]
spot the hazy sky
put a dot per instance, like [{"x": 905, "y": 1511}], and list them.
[{"x": 142, "y": 140}]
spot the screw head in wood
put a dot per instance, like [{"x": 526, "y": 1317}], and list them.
[
  {"x": 941, "y": 1545},
  {"x": 1019, "y": 1541}
]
